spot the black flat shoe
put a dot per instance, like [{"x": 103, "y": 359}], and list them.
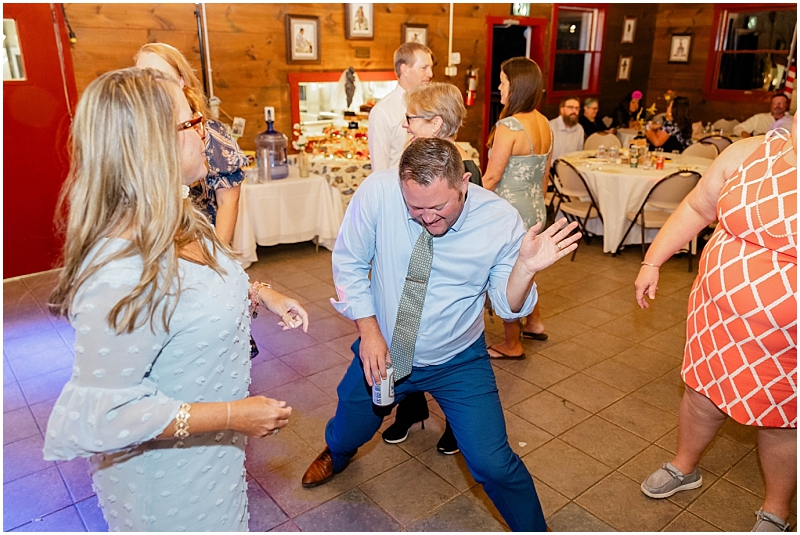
[{"x": 447, "y": 444}]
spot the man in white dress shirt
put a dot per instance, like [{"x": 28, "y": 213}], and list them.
[
  {"x": 761, "y": 123},
  {"x": 413, "y": 64},
  {"x": 567, "y": 131}
]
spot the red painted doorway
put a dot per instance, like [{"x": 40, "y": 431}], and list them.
[
  {"x": 507, "y": 37},
  {"x": 36, "y": 121}
]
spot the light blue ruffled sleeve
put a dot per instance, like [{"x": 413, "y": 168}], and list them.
[{"x": 109, "y": 403}]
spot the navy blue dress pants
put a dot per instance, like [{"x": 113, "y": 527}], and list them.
[{"x": 466, "y": 391}]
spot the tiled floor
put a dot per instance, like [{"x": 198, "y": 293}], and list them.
[{"x": 591, "y": 411}]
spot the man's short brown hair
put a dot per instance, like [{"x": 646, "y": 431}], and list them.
[
  {"x": 405, "y": 55},
  {"x": 427, "y": 160}
]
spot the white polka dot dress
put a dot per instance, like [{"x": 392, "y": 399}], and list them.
[{"x": 125, "y": 389}]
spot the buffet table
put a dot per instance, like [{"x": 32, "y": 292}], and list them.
[
  {"x": 289, "y": 210},
  {"x": 619, "y": 189}
]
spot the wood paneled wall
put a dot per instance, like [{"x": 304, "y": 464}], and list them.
[
  {"x": 248, "y": 50},
  {"x": 611, "y": 90},
  {"x": 687, "y": 79}
]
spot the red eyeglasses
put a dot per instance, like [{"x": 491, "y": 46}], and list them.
[{"x": 195, "y": 122}]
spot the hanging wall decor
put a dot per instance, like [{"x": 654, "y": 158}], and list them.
[
  {"x": 415, "y": 33},
  {"x": 629, "y": 29},
  {"x": 302, "y": 39},
  {"x": 680, "y": 48},
  {"x": 359, "y": 21}
]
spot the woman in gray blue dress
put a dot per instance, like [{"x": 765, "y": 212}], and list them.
[
  {"x": 517, "y": 171},
  {"x": 158, "y": 397}
]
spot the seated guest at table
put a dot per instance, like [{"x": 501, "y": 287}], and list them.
[
  {"x": 432, "y": 110},
  {"x": 627, "y": 113},
  {"x": 761, "y": 123},
  {"x": 567, "y": 131},
  {"x": 589, "y": 121},
  {"x": 218, "y": 194},
  {"x": 676, "y": 132},
  {"x": 158, "y": 399}
]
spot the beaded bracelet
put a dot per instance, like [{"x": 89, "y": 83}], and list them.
[
  {"x": 182, "y": 421},
  {"x": 254, "y": 289}
]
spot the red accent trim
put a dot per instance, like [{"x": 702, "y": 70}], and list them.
[
  {"x": 714, "y": 58},
  {"x": 296, "y": 78},
  {"x": 36, "y": 124},
  {"x": 537, "y": 25},
  {"x": 553, "y": 96}
]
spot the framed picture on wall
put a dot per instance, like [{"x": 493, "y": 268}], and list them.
[
  {"x": 302, "y": 39},
  {"x": 415, "y": 33},
  {"x": 628, "y": 29},
  {"x": 520, "y": 10},
  {"x": 680, "y": 48},
  {"x": 624, "y": 68},
  {"x": 359, "y": 21}
]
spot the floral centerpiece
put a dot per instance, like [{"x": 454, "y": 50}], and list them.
[{"x": 300, "y": 140}]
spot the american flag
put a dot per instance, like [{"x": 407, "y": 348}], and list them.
[{"x": 788, "y": 85}]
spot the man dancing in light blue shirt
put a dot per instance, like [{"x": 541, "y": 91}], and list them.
[{"x": 479, "y": 246}]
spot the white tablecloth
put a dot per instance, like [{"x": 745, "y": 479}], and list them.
[
  {"x": 626, "y": 135},
  {"x": 619, "y": 189},
  {"x": 290, "y": 210}
]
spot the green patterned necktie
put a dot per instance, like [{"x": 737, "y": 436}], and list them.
[{"x": 409, "y": 312}]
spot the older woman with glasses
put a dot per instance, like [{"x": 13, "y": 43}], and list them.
[
  {"x": 432, "y": 110},
  {"x": 437, "y": 110},
  {"x": 158, "y": 398}
]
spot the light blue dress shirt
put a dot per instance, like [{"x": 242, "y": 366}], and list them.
[{"x": 475, "y": 256}]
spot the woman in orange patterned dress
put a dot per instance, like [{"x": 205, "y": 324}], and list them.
[{"x": 741, "y": 349}]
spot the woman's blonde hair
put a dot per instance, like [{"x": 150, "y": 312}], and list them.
[
  {"x": 439, "y": 99},
  {"x": 125, "y": 180},
  {"x": 176, "y": 60}
]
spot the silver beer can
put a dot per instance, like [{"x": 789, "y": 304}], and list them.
[{"x": 383, "y": 393}]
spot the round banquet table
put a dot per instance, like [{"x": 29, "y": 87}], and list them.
[{"x": 619, "y": 189}]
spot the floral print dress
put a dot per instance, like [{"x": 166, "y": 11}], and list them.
[
  {"x": 521, "y": 183},
  {"x": 225, "y": 162}
]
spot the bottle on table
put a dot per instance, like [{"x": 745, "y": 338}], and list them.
[
  {"x": 601, "y": 151},
  {"x": 271, "y": 150}
]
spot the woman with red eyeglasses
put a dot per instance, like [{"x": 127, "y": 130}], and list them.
[
  {"x": 218, "y": 195},
  {"x": 158, "y": 398}
]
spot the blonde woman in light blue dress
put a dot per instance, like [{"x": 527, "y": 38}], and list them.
[
  {"x": 159, "y": 395},
  {"x": 517, "y": 171}
]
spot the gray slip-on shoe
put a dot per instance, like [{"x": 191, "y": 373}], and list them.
[
  {"x": 768, "y": 522},
  {"x": 668, "y": 480}
]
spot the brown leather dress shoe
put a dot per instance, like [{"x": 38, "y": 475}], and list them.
[{"x": 320, "y": 471}]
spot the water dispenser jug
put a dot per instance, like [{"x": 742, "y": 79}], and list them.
[{"x": 271, "y": 151}]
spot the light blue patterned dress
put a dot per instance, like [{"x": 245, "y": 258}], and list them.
[
  {"x": 125, "y": 389},
  {"x": 521, "y": 183}
]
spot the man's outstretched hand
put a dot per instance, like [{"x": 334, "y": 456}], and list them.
[{"x": 539, "y": 251}]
